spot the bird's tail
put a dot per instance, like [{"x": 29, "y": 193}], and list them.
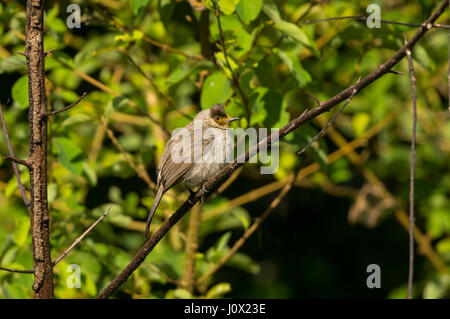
[{"x": 158, "y": 196}]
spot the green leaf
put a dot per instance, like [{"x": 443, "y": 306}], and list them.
[
  {"x": 138, "y": 5},
  {"x": 266, "y": 75},
  {"x": 249, "y": 10},
  {"x": 218, "y": 290},
  {"x": 241, "y": 261},
  {"x": 293, "y": 63},
  {"x": 289, "y": 28},
  {"x": 222, "y": 244},
  {"x": 297, "y": 34},
  {"x": 437, "y": 287},
  {"x": 90, "y": 173},
  {"x": 228, "y": 6},
  {"x": 360, "y": 121},
  {"x": 69, "y": 154},
  {"x": 19, "y": 92},
  {"x": 178, "y": 294},
  {"x": 22, "y": 229},
  {"x": 423, "y": 58},
  {"x": 12, "y": 63},
  {"x": 216, "y": 89},
  {"x": 76, "y": 119},
  {"x": 272, "y": 12}
]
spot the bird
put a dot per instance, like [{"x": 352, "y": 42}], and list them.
[{"x": 193, "y": 154}]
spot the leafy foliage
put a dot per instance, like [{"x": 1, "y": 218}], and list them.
[{"x": 278, "y": 60}]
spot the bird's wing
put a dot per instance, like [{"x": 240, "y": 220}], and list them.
[{"x": 170, "y": 171}]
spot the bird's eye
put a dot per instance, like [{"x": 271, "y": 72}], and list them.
[{"x": 217, "y": 118}]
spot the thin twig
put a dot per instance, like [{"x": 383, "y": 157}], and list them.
[
  {"x": 79, "y": 239},
  {"x": 274, "y": 137},
  {"x": 18, "y": 271},
  {"x": 17, "y": 160},
  {"x": 163, "y": 46},
  {"x": 141, "y": 173},
  {"x": 411, "y": 176},
  {"x": 156, "y": 87},
  {"x": 14, "y": 165},
  {"x": 49, "y": 51},
  {"x": 51, "y": 113},
  {"x": 329, "y": 122},
  {"x": 304, "y": 14},
  {"x": 238, "y": 244},
  {"x": 105, "y": 88},
  {"x": 363, "y": 18}
]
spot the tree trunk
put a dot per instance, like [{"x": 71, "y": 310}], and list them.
[{"x": 40, "y": 218}]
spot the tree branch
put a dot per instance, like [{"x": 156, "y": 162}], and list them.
[
  {"x": 40, "y": 217},
  {"x": 363, "y": 18},
  {"x": 14, "y": 165},
  {"x": 50, "y": 113},
  {"x": 18, "y": 271},
  {"x": 79, "y": 239},
  {"x": 238, "y": 244},
  {"x": 290, "y": 127},
  {"x": 329, "y": 123},
  {"x": 156, "y": 87}
]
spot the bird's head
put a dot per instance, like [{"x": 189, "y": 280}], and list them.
[{"x": 218, "y": 117}]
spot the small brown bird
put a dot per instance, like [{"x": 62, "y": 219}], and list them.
[{"x": 193, "y": 154}]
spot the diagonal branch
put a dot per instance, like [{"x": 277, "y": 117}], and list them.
[
  {"x": 329, "y": 123},
  {"x": 14, "y": 165},
  {"x": 79, "y": 239},
  {"x": 50, "y": 113},
  {"x": 290, "y": 127},
  {"x": 238, "y": 244}
]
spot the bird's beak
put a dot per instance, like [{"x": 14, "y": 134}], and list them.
[{"x": 232, "y": 119}]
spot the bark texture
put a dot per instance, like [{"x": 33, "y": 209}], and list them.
[{"x": 39, "y": 217}]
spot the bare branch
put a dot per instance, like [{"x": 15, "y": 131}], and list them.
[
  {"x": 18, "y": 271},
  {"x": 50, "y": 113},
  {"x": 14, "y": 165},
  {"x": 17, "y": 160},
  {"x": 156, "y": 87},
  {"x": 330, "y": 122},
  {"x": 49, "y": 51},
  {"x": 290, "y": 127},
  {"x": 412, "y": 173},
  {"x": 79, "y": 239},
  {"x": 240, "y": 242},
  {"x": 141, "y": 173},
  {"x": 363, "y": 18},
  {"x": 312, "y": 3}
]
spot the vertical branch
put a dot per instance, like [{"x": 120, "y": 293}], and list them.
[
  {"x": 191, "y": 248},
  {"x": 40, "y": 219},
  {"x": 411, "y": 177},
  {"x": 14, "y": 164}
]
